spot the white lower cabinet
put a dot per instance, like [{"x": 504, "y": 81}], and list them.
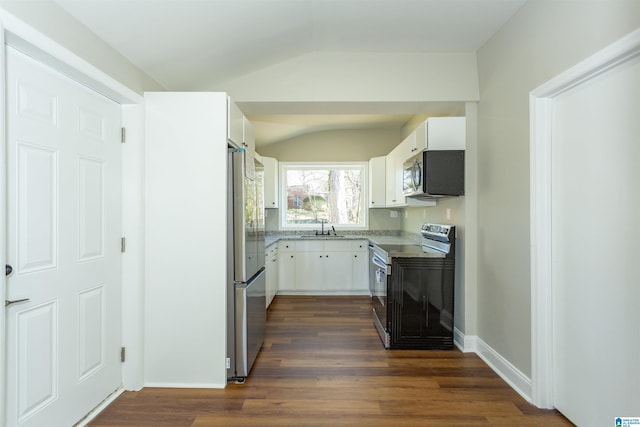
[
  {"x": 360, "y": 270},
  {"x": 286, "y": 266},
  {"x": 336, "y": 267},
  {"x": 271, "y": 265}
]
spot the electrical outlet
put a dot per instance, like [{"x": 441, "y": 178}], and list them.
[
  {"x": 394, "y": 214},
  {"x": 228, "y": 363},
  {"x": 424, "y": 213},
  {"x": 448, "y": 214},
  {"x": 406, "y": 214}
]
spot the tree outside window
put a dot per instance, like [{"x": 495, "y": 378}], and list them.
[{"x": 331, "y": 193}]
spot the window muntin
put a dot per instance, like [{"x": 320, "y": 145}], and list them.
[{"x": 315, "y": 192}]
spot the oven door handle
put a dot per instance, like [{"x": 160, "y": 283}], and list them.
[{"x": 379, "y": 262}]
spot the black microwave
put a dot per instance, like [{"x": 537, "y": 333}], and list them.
[{"x": 434, "y": 173}]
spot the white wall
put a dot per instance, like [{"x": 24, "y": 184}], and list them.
[
  {"x": 541, "y": 40},
  {"x": 351, "y": 145},
  {"x": 360, "y": 78},
  {"x": 186, "y": 231},
  {"x": 59, "y": 26}
]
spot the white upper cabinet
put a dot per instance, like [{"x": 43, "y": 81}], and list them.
[
  {"x": 409, "y": 147},
  {"x": 394, "y": 168},
  {"x": 442, "y": 133},
  {"x": 235, "y": 127},
  {"x": 377, "y": 182},
  {"x": 248, "y": 136},
  {"x": 271, "y": 182}
]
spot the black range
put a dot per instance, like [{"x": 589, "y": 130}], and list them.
[{"x": 412, "y": 289}]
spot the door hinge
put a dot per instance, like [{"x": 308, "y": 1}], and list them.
[
  {"x": 123, "y": 245},
  {"x": 122, "y": 354},
  {"x": 123, "y": 135}
]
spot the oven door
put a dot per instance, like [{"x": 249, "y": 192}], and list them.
[
  {"x": 412, "y": 175},
  {"x": 380, "y": 271}
]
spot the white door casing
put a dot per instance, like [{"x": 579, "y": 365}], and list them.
[
  {"x": 584, "y": 157},
  {"x": 64, "y": 227}
]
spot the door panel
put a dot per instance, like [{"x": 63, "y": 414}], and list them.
[
  {"x": 37, "y": 371},
  {"x": 64, "y": 229},
  {"x": 36, "y": 208}
]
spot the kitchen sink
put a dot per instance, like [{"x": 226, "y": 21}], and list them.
[{"x": 320, "y": 236}]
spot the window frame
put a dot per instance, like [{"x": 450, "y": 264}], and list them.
[{"x": 364, "y": 196}]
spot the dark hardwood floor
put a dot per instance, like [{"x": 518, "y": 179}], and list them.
[{"x": 323, "y": 364}]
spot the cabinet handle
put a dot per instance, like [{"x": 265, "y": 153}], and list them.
[
  {"x": 327, "y": 256},
  {"x": 424, "y": 307},
  {"x": 355, "y": 256},
  {"x": 291, "y": 256}
]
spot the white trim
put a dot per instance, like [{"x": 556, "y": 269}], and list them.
[
  {"x": 541, "y": 104},
  {"x": 508, "y": 372},
  {"x": 364, "y": 168},
  {"x": 133, "y": 259},
  {"x": 541, "y": 303},
  {"x": 3, "y": 222},
  {"x": 465, "y": 343},
  {"x": 186, "y": 385},
  {"x": 101, "y": 407},
  {"x": 326, "y": 293},
  {"x": 32, "y": 42}
]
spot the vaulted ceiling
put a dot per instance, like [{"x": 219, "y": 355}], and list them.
[{"x": 199, "y": 44}]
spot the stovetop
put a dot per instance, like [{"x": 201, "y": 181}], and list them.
[{"x": 410, "y": 251}]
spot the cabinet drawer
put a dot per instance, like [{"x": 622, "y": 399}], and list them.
[
  {"x": 337, "y": 245},
  {"x": 286, "y": 246},
  {"x": 360, "y": 245},
  {"x": 309, "y": 246}
]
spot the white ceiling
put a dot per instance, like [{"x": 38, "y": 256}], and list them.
[{"x": 194, "y": 44}]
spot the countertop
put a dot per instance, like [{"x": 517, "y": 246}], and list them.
[{"x": 372, "y": 237}]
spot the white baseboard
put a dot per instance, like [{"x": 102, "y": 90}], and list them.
[
  {"x": 94, "y": 413},
  {"x": 501, "y": 366},
  {"x": 185, "y": 385},
  {"x": 362, "y": 292},
  {"x": 465, "y": 343},
  {"x": 512, "y": 375}
]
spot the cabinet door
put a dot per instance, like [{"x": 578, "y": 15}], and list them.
[
  {"x": 360, "y": 271},
  {"x": 309, "y": 271},
  {"x": 446, "y": 133},
  {"x": 286, "y": 271},
  {"x": 421, "y": 137},
  {"x": 377, "y": 182},
  {"x": 271, "y": 182},
  {"x": 408, "y": 146},
  {"x": 394, "y": 168},
  {"x": 271, "y": 274},
  {"x": 390, "y": 179},
  {"x": 337, "y": 267},
  {"x": 235, "y": 124},
  {"x": 248, "y": 136},
  {"x": 422, "y": 303},
  {"x": 409, "y": 303},
  {"x": 399, "y": 160}
]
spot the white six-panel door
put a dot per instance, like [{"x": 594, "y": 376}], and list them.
[{"x": 64, "y": 229}]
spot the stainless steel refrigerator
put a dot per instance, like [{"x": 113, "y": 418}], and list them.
[{"x": 246, "y": 295}]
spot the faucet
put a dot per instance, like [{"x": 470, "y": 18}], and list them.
[{"x": 322, "y": 222}]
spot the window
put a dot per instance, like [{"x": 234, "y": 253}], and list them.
[{"x": 329, "y": 192}]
